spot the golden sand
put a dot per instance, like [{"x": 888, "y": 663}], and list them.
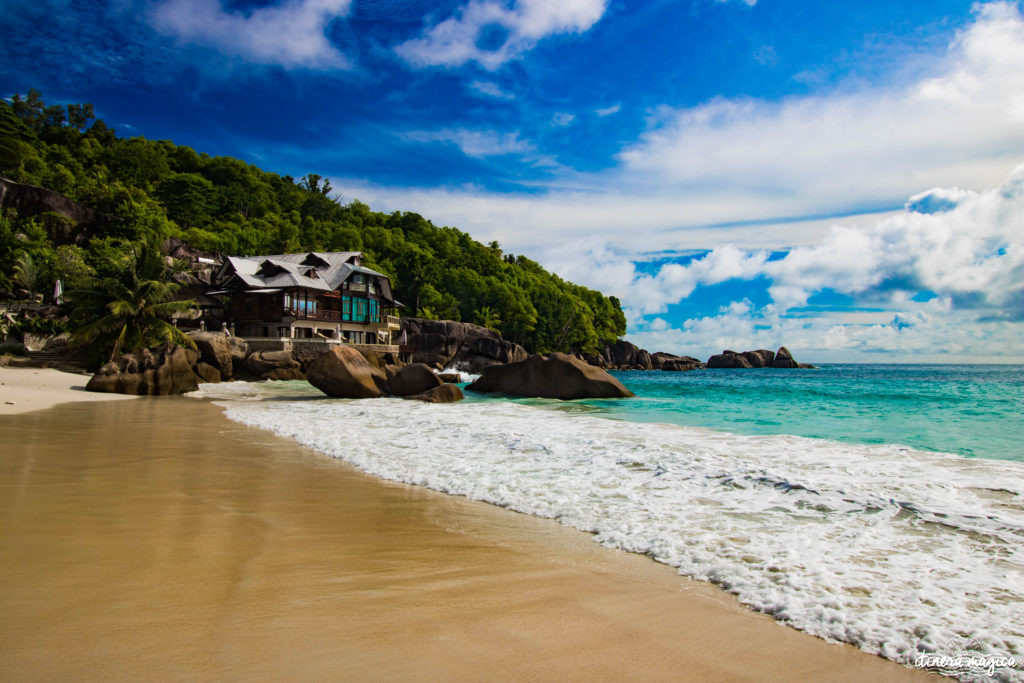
[
  {"x": 156, "y": 540},
  {"x": 26, "y": 389}
]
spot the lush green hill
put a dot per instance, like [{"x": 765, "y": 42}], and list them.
[{"x": 223, "y": 204}]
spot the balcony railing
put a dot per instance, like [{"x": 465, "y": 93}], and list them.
[{"x": 336, "y": 316}]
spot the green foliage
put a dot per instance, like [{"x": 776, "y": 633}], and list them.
[
  {"x": 487, "y": 317},
  {"x": 157, "y": 189},
  {"x": 43, "y": 326},
  {"x": 26, "y": 273},
  {"x": 130, "y": 308}
]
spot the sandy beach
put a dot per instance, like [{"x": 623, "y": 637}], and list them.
[
  {"x": 155, "y": 539},
  {"x": 26, "y": 389}
]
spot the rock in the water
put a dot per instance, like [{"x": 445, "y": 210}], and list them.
[
  {"x": 207, "y": 372},
  {"x": 441, "y": 343},
  {"x": 729, "y": 359},
  {"x": 681, "y": 364},
  {"x": 284, "y": 374},
  {"x": 445, "y": 393},
  {"x": 415, "y": 378},
  {"x": 165, "y": 370},
  {"x": 784, "y": 359},
  {"x": 762, "y": 358},
  {"x": 555, "y": 376},
  {"x": 343, "y": 372},
  {"x": 220, "y": 351}
]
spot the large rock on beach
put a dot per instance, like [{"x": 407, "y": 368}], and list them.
[
  {"x": 165, "y": 370},
  {"x": 446, "y": 393},
  {"x": 442, "y": 343},
  {"x": 416, "y": 378},
  {"x": 555, "y": 376},
  {"x": 277, "y": 365},
  {"x": 207, "y": 373},
  {"x": 343, "y": 372},
  {"x": 220, "y": 351}
]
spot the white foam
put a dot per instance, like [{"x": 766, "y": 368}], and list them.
[
  {"x": 460, "y": 369},
  {"x": 895, "y": 550}
]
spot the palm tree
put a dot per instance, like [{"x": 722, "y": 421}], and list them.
[
  {"x": 130, "y": 310},
  {"x": 487, "y": 317},
  {"x": 26, "y": 273}
]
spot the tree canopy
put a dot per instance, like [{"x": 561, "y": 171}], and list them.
[{"x": 221, "y": 204}]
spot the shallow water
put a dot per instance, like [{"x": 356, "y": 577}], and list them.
[{"x": 898, "y": 550}]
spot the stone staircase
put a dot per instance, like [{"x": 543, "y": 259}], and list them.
[{"x": 60, "y": 360}]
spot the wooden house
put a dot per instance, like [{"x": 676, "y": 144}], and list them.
[{"x": 316, "y": 295}]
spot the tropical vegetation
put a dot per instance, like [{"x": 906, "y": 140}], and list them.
[{"x": 156, "y": 189}]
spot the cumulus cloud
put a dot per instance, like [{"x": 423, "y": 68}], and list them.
[
  {"x": 291, "y": 34},
  {"x": 840, "y": 151},
  {"x": 490, "y": 89},
  {"x": 935, "y": 333},
  {"x": 967, "y": 261},
  {"x": 492, "y": 34},
  {"x": 972, "y": 253},
  {"x": 562, "y": 118},
  {"x": 475, "y": 143},
  {"x": 740, "y": 171}
]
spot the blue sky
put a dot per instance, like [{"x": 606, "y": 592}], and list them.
[{"x": 740, "y": 173}]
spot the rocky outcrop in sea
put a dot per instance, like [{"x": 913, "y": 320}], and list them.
[
  {"x": 445, "y": 343},
  {"x": 556, "y": 375},
  {"x": 762, "y": 358}
]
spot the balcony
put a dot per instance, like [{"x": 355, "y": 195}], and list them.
[
  {"x": 377, "y": 321},
  {"x": 386, "y": 322}
]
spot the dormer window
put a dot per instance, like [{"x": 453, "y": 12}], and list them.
[
  {"x": 313, "y": 260},
  {"x": 311, "y": 273}
]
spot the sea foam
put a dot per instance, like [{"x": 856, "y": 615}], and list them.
[{"x": 898, "y": 551}]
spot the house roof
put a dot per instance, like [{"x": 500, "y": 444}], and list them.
[{"x": 321, "y": 271}]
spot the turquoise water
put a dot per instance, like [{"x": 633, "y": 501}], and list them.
[{"x": 971, "y": 410}]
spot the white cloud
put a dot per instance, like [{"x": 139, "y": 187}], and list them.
[
  {"x": 490, "y": 89},
  {"x": 973, "y": 253},
  {"x": 562, "y": 119},
  {"x": 291, "y": 34},
  {"x": 970, "y": 257},
  {"x": 475, "y": 143},
  {"x": 740, "y": 171},
  {"x": 840, "y": 151},
  {"x": 930, "y": 332},
  {"x": 458, "y": 39},
  {"x": 608, "y": 111}
]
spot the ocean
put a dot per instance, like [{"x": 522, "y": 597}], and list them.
[{"x": 880, "y": 505}]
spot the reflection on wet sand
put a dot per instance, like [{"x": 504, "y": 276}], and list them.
[{"x": 155, "y": 539}]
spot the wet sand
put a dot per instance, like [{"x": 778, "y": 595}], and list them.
[{"x": 155, "y": 539}]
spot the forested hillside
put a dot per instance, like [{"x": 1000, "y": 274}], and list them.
[{"x": 157, "y": 189}]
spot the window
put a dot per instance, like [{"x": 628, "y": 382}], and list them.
[
  {"x": 346, "y": 308},
  {"x": 374, "y": 311}
]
